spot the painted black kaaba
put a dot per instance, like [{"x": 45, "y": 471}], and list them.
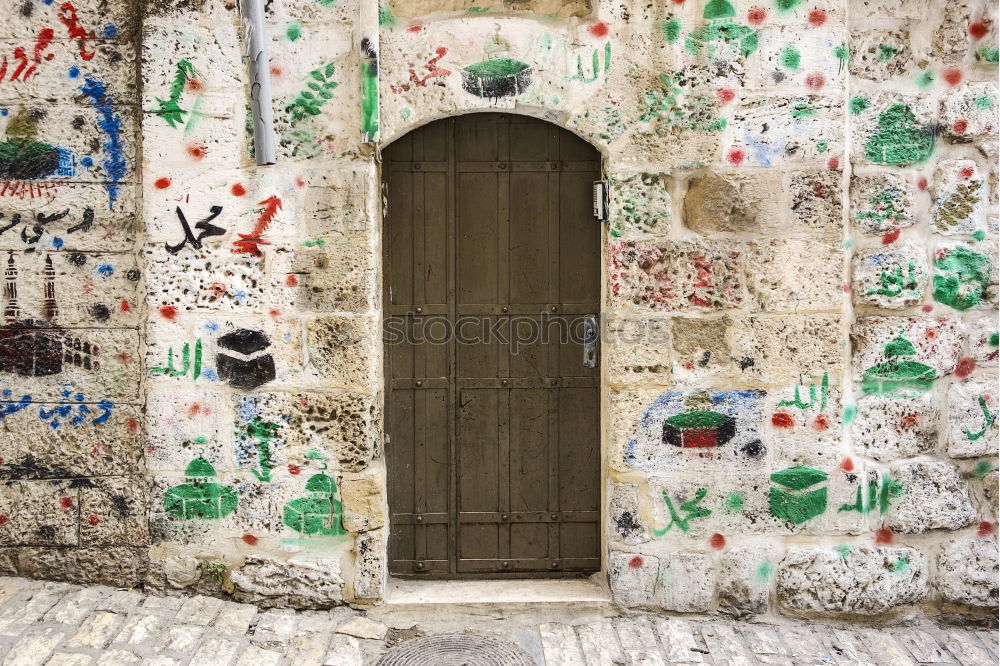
[{"x": 38, "y": 347}]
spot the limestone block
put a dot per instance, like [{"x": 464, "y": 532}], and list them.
[
  {"x": 733, "y": 201},
  {"x": 984, "y": 338},
  {"x": 641, "y": 205},
  {"x": 950, "y": 40},
  {"x": 283, "y": 11},
  {"x": 636, "y": 350},
  {"x": 776, "y": 130},
  {"x": 212, "y": 278},
  {"x": 32, "y": 449},
  {"x": 42, "y": 513},
  {"x": 674, "y": 276},
  {"x": 695, "y": 430},
  {"x": 784, "y": 276},
  {"x": 183, "y": 422},
  {"x": 364, "y": 503},
  {"x": 624, "y": 521},
  {"x": 633, "y": 578},
  {"x": 745, "y": 580},
  {"x": 963, "y": 275},
  {"x": 816, "y": 200},
  {"x": 972, "y": 420},
  {"x": 967, "y": 571},
  {"x": 959, "y": 192},
  {"x": 343, "y": 427},
  {"x": 119, "y": 566},
  {"x": 77, "y": 217},
  {"x": 181, "y": 571},
  {"x": 866, "y": 580},
  {"x": 297, "y": 583},
  {"x": 106, "y": 20},
  {"x": 991, "y": 486},
  {"x": 903, "y": 355},
  {"x": 338, "y": 278},
  {"x": 892, "y": 129},
  {"x": 790, "y": 60},
  {"x": 879, "y": 54},
  {"x": 341, "y": 351},
  {"x": 804, "y": 417},
  {"x": 881, "y": 203},
  {"x": 339, "y": 202},
  {"x": 686, "y": 583},
  {"x": 560, "y": 8},
  {"x": 87, "y": 142},
  {"x": 934, "y": 497},
  {"x": 113, "y": 512},
  {"x": 699, "y": 345},
  {"x": 968, "y": 112},
  {"x": 780, "y": 348},
  {"x": 893, "y": 278},
  {"x": 890, "y": 428},
  {"x": 370, "y": 563}
]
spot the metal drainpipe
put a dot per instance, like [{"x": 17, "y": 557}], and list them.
[{"x": 258, "y": 62}]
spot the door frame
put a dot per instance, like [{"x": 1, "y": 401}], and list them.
[{"x": 603, "y": 385}]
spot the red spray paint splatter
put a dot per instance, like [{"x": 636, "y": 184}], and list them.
[
  {"x": 635, "y": 562},
  {"x": 952, "y": 76},
  {"x": 922, "y": 183},
  {"x": 717, "y": 541},
  {"x": 756, "y": 16},
  {"x": 846, "y": 287},
  {"x": 725, "y": 95},
  {"x": 291, "y": 280},
  {"x": 275, "y": 70},
  {"x": 161, "y": 183},
  {"x": 168, "y": 312},
  {"x": 927, "y": 308},
  {"x": 93, "y": 520},
  {"x": 250, "y": 243},
  {"x": 238, "y": 190},
  {"x": 967, "y": 173},
  {"x": 275, "y": 313},
  {"x": 415, "y": 28},
  {"x": 3, "y": 518},
  {"x": 821, "y": 423},
  {"x": 885, "y": 536},
  {"x": 124, "y": 306},
  {"x": 599, "y": 29},
  {"x": 294, "y": 470},
  {"x": 66, "y": 502},
  {"x": 978, "y": 30},
  {"x": 736, "y": 157},
  {"x": 132, "y": 425},
  {"x": 965, "y": 368},
  {"x": 890, "y": 237},
  {"x": 833, "y": 163},
  {"x": 959, "y": 126},
  {"x": 817, "y": 17},
  {"x": 847, "y": 465},
  {"x": 249, "y": 539},
  {"x": 985, "y": 529},
  {"x": 782, "y": 420},
  {"x": 815, "y": 81},
  {"x": 196, "y": 152}
]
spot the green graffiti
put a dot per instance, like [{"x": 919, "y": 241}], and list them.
[
  {"x": 824, "y": 392},
  {"x": 794, "y": 502},
  {"x": 786, "y": 5},
  {"x": 200, "y": 497},
  {"x": 850, "y": 413},
  {"x": 989, "y": 419},
  {"x": 995, "y": 339},
  {"x": 321, "y": 512},
  {"x": 317, "y": 92},
  {"x": 898, "y": 376},
  {"x": 326, "y": 3},
  {"x": 595, "y": 65},
  {"x": 841, "y": 53},
  {"x": 369, "y": 92},
  {"x": 925, "y": 79},
  {"x": 674, "y": 109},
  {"x": 262, "y": 432},
  {"x": 899, "y": 141},
  {"x": 979, "y": 235},
  {"x": 790, "y": 57},
  {"x": 990, "y": 54},
  {"x": 858, "y": 104},
  {"x": 385, "y": 17},
  {"x": 842, "y": 550},
  {"x": 983, "y": 467},
  {"x": 901, "y": 564},
  {"x": 721, "y": 30},
  {"x": 964, "y": 278},
  {"x": 734, "y": 501},
  {"x": 319, "y": 242},
  {"x": 878, "y": 495},
  {"x": 983, "y": 102},
  {"x": 169, "y": 368},
  {"x": 822, "y": 146},
  {"x": 717, "y": 9},
  {"x": 170, "y": 109},
  {"x": 763, "y": 571},
  {"x": 293, "y": 32},
  {"x": 883, "y": 206},
  {"x": 886, "y": 52},
  {"x": 690, "y": 509},
  {"x": 672, "y": 31},
  {"x": 893, "y": 283},
  {"x": 801, "y": 111}
]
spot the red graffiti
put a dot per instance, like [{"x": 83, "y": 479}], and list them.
[
  {"x": 294, "y": 470},
  {"x": 756, "y": 16},
  {"x": 598, "y": 30},
  {"x": 965, "y": 368},
  {"x": 885, "y": 536},
  {"x": 782, "y": 420},
  {"x": 66, "y": 502},
  {"x": 717, "y": 541},
  {"x": 959, "y": 126},
  {"x": 250, "y": 243},
  {"x": 985, "y": 529},
  {"x": 635, "y": 562},
  {"x": 238, "y": 190},
  {"x": 847, "y": 465},
  {"x": 725, "y": 95},
  {"x": 93, "y": 520},
  {"x": 817, "y": 17},
  {"x": 168, "y": 312},
  {"x": 952, "y": 76},
  {"x": 67, "y": 14},
  {"x": 821, "y": 423},
  {"x": 890, "y": 237},
  {"x": 433, "y": 71},
  {"x": 249, "y": 539},
  {"x": 736, "y": 156},
  {"x": 161, "y": 183},
  {"x": 978, "y": 30},
  {"x": 24, "y": 70},
  {"x": 815, "y": 81}
]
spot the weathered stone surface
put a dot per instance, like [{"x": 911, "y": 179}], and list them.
[
  {"x": 641, "y": 205},
  {"x": 370, "y": 565},
  {"x": 934, "y": 342},
  {"x": 364, "y": 501},
  {"x": 972, "y": 428},
  {"x": 633, "y": 578},
  {"x": 967, "y": 571},
  {"x": 881, "y": 203},
  {"x": 769, "y": 348},
  {"x": 893, "y": 278},
  {"x": 686, "y": 583},
  {"x": 879, "y": 54},
  {"x": 934, "y": 497},
  {"x": 636, "y": 350},
  {"x": 626, "y": 524},
  {"x": 960, "y": 196},
  {"x": 968, "y": 112},
  {"x": 866, "y": 581},
  {"x": 744, "y": 580},
  {"x": 776, "y": 270},
  {"x": 889, "y": 428},
  {"x": 301, "y": 584},
  {"x": 118, "y": 566},
  {"x": 732, "y": 202}
]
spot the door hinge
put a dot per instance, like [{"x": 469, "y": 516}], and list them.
[{"x": 601, "y": 201}]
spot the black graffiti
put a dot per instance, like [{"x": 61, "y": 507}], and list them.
[
  {"x": 203, "y": 225},
  {"x": 243, "y": 363},
  {"x": 32, "y": 233}
]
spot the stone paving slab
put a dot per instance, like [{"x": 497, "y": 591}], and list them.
[{"x": 54, "y": 624}]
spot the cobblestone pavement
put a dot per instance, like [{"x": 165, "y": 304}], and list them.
[{"x": 69, "y": 625}]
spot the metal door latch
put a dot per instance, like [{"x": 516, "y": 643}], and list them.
[{"x": 590, "y": 341}]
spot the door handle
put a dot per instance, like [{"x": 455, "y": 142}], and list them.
[{"x": 590, "y": 341}]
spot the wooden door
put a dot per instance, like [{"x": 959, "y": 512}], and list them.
[{"x": 492, "y": 428}]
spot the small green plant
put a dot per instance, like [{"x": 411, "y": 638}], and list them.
[
  {"x": 319, "y": 90},
  {"x": 217, "y": 570}
]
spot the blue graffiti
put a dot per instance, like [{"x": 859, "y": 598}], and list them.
[
  {"x": 111, "y": 124},
  {"x": 71, "y": 409},
  {"x": 8, "y": 408},
  {"x": 763, "y": 152}
]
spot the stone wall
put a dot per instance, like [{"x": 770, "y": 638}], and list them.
[{"x": 800, "y": 342}]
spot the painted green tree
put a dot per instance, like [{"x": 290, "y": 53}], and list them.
[{"x": 899, "y": 140}]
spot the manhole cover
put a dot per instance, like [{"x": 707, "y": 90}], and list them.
[{"x": 455, "y": 650}]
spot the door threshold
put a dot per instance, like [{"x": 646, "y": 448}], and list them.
[{"x": 519, "y": 591}]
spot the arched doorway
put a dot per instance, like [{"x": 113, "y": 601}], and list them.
[{"x": 491, "y": 264}]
